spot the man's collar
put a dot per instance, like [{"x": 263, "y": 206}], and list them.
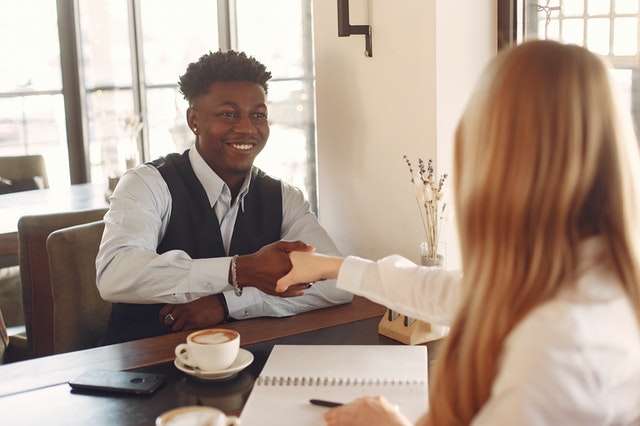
[{"x": 211, "y": 182}]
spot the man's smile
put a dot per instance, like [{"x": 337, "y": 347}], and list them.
[{"x": 242, "y": 146}]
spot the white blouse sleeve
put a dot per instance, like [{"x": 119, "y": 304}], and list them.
[{"x": 427, "y": 294}]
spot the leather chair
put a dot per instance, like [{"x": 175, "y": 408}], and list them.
[
  {"x": 22, "y": 172},
  {"x": 80, "y": 315},
  {"x": 37, "y": 294},
  {"x": 17, "y": 173}
]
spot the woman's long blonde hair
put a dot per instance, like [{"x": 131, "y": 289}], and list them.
[{"x": 544, "y": 157}]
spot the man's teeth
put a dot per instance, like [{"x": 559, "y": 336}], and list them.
[{"x": 243, "y": 147}]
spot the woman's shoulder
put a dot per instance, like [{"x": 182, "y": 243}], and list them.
[
  {"x": 592, "y": 312},
  {"x": 574, "y": 358},
  {"x": 585, "y": 341}
]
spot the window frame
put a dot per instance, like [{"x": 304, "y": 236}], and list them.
[{"x": 511, "y": 29}]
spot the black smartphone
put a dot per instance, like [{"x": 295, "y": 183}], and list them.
[{"x": 118, "y": 381}]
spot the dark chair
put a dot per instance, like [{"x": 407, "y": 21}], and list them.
[
  {"x": 37, "y": 294},
  {"x": 22, "y": 173},
  {"x": 17, "y": 173},
  {"x": 80, "y": 315}
]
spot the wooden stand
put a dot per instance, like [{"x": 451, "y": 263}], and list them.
[{"x": 413, "y": 334}]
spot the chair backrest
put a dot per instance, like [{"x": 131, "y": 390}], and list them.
[
  {"x": 37, "y": 296},
  {"x": 80, "y": 315},
  {"x": 22, "y": 168}
]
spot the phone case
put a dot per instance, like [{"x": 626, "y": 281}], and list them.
[{"x": 118, "y": 381}]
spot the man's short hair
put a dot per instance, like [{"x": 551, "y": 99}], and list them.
[{"x": 221, "y": 66}]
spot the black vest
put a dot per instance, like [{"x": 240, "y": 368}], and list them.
[{"x": 193, "y": 227}]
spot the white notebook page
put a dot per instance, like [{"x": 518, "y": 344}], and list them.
[{"x": 294, "y": 374}]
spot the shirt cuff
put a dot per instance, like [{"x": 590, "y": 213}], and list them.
[
  {"x": 209, "y": 275},
  {"x": 350, "y": 276},
  {"x": 249, "y": 305}
]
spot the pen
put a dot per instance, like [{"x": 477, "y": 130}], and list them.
[{"x": 324, "y": 403}]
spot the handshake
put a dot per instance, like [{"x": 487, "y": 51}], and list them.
[{"x": 285, "y": 268}]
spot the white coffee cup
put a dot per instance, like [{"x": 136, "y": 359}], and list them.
[
  {"x": 196, "y": 416},
  {"x": 213, "y": 349}
]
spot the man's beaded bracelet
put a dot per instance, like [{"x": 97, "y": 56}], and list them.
[{"x": 225, "y": 307}]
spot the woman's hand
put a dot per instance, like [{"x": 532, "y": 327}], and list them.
[
  {"x": 262, "y": 268},
  {"x": 367, "y": 411},
  {"x": 309, "y": 267}
]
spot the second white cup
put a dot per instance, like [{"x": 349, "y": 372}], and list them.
[
  {"x": 196, "y": 416},
  {"x": 213, "y": 349}
]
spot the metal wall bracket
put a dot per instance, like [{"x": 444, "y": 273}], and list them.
[{"x": 345, "y": 29}]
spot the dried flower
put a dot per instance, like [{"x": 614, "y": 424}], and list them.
[
  {"x": 132, "y": 125},
  {"x": 430, "y": 195}
]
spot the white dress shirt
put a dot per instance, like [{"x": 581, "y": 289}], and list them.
[
  {"x": 574, "y": 360},
  {"x": 129, "y": 270}
]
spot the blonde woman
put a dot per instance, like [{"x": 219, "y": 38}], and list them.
[{"x": 545, "y": 322}]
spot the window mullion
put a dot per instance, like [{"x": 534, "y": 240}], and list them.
[
  {"x": 77, "y": 145},
  {"x": 227, "y": 27},
  {"x": 138, "y": 77}
]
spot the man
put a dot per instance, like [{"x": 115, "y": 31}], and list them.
[{"x": 195, "y": 239}]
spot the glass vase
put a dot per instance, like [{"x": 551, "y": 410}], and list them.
[{"x": 427, "y": 260}]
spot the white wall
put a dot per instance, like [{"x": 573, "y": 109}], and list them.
[{"x": 406, "y": 99}]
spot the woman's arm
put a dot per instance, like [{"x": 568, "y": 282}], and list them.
[{"x": 425, "y": 293}]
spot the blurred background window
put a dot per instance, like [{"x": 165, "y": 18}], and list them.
[
  {"x": 121, "y": 61},
  {"x": 606, "y": 27},
  {"x": 32, "y": 117}
]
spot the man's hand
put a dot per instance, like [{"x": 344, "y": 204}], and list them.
[
  {"x": 263, "y": 268},
  {"x": 200, "y": 313}
]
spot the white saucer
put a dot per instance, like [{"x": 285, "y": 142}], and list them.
[{"x": 244, "y": 359}]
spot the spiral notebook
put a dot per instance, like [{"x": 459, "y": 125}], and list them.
[{"x": 295, "y": 374}]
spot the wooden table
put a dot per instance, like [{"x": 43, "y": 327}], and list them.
[
  {"x": 36, "y": 391},
  {"x": 52, "y": 370},
  {"x": 40, "y": 201}
]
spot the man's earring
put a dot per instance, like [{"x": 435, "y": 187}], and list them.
[{"x": 195, "y": 130}]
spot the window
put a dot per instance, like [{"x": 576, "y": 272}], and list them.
[
  {"x": 291, "y": 90},
  {"x": 32, "y": 116},
  {"x": 606, "y": 27},
  {"x": 122, "y": 60},
  {"x": 131, "y": 57}
]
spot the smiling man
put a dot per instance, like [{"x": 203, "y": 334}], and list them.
[{"x": 195, "y": 239}]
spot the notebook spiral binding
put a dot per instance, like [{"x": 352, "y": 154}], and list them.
[{"x": 329, "y": 381}]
